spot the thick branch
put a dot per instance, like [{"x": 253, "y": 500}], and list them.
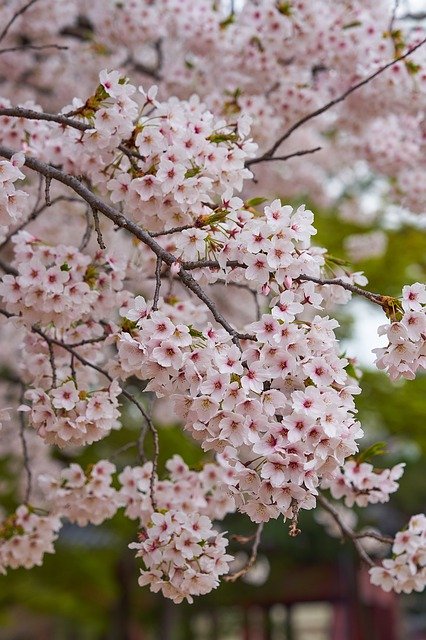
[{"x": 30, "y": 114}]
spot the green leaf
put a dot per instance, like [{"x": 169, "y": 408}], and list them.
[
  {"x": 284, "y": 8},
  {"x": 254, "y": 202},
  {"x": 222, "y": 137},
  {"x": 376, "y": 449},
  {"x": 192, "y": 172},
  {"x": 228, "y": 21},
  {"x": 351, "y": 25}
]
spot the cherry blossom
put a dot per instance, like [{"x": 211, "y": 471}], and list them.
[
  {"x": 406, "y": 570},
  {"x": 82, "y": 497},
  {"x": 138, "y": 229},
  {"x": 25, "y": 537}
]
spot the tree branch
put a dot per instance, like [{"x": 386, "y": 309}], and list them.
[
  {"x": 121, "y": 221},
  {"x": 282, "y": 158},
  {"x": 373, "y": 297},
  {"x": 30, "y": 114},
  {"x": 346, "y": 531},
  {"x": 268, "y": 154},
  {"x": 253, "y": 557},
  {"x": 33, "y": 47},
  {"x": 15, "y": 16}
]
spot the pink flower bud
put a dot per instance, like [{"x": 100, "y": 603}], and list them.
[
  {"x": 288, "y": 282},
  {"x": 175, "y": 267}
]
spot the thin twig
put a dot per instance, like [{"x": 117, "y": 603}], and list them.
[
  {"x": 373, "y": 297},
  {"x": 47, "y": 191},
  {"x": 393, "y": 16},
  {"x": 212, "y": 264},
  {"x": 52, "y": 363},
  {"x": 283, "y": 158},
  {"x": 268, "y": 154},
  {"x": 99, "y": 237},
  {"x": 157, "y": 284},
  {"x": 88, "y": 230},
  {"x": 30, "y": 114},
  {"x": 377, "y": 536},
  {"x": 15, "y": 16},
  {"x": 234, "y": 576},
  {"x": 25, "y": 455},
  {"x": 414, "y": 16},
  {"x": 157, "y": 234},
  {"x": 346, "y": 531}
]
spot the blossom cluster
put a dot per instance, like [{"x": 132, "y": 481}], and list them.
[
  {"x": 60, "y": 285},
  {"x": 184, "y": 556},
  {"x": 70, "y": 416},
  {"x": 181, "y": 45},
  {"x": 406, "y": 571},
  {"x": 25, "y": 537},
  {"x": 280, "y": 411},
  {"x": 12, "y": 201},
  {"x": 406, "y": 351},
  {"x": 80, "y": 496},
  {"x": 359, "y": 483},
  {"x": 185, "y": 157},
  {"x": 204, "y": 492},
  {"x": 269, "y": 394}
]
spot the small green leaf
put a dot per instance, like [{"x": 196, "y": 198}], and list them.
[
  {"x": 376, "y": 449},
  {"x": 285, "y": 8},
  {"x": 222, "y": 137},
  {"x": 228, "y": 21},
  {"x": 412, "y": 67},
  {"x": 254, "y": 202},
  {"x": 351, "y": 25},
  {"x": 192, "y": 172}
]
